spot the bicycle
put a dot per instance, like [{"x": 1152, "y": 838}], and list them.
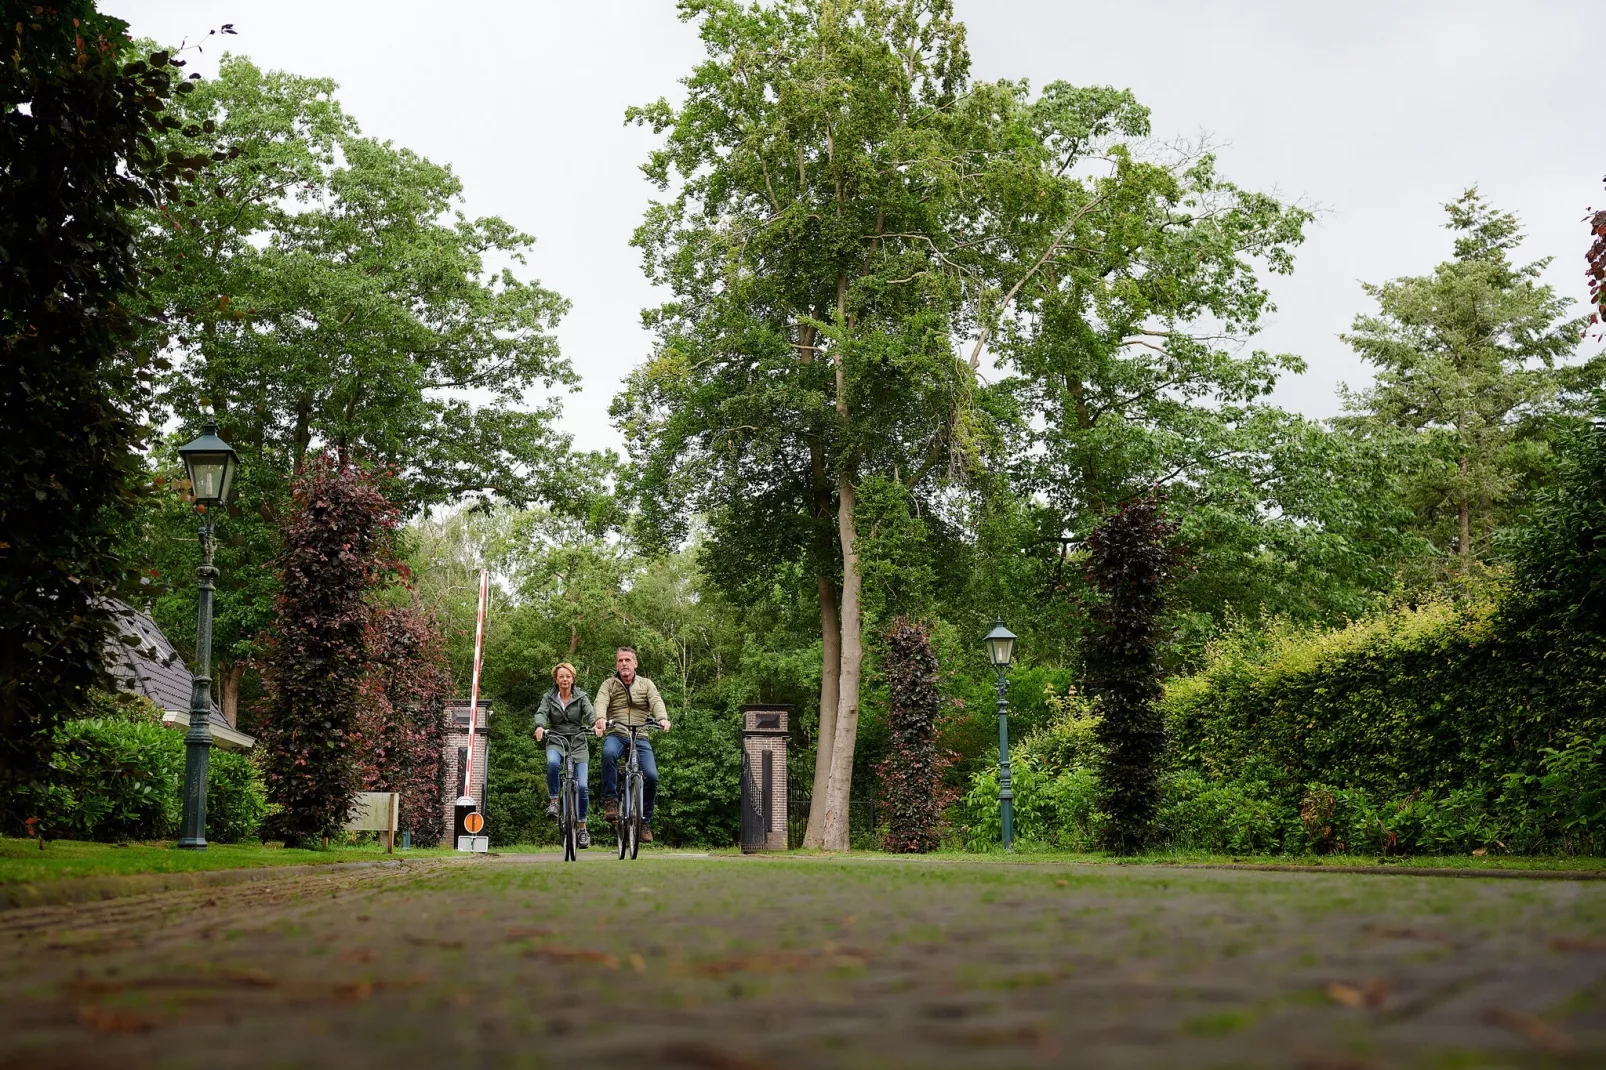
[
  {"x": 568, "y": 805},
  {"x": 627, "y": 828}
]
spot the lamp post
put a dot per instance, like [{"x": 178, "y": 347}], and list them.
[
  {"x": 210, "y": 463},
  {"x": 1000, "y": 644}
]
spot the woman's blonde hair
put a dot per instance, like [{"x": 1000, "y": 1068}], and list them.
[{"x": 565, "y": 665}]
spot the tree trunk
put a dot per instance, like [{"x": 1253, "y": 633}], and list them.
[
  {"x": 830, "y": 626},
  {"x": 228, "y": 690},
  {"x": 1466, "y": 520},
  {"x": 840, "y": 785},
  {"x": 825, "y": 745},
  {"x": 1084, "y": 421}
]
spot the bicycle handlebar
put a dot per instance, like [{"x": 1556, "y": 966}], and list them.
[{"x": 633, "y": 727}]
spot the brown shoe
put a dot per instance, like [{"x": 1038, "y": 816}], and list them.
[
  {"x": 646, "y": 834},
  {"x": 610, "y": 810}
]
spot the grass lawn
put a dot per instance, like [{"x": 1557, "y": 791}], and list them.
[{"x": 21, "y": 860}]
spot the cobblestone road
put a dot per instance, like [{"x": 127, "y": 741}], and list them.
[{"x": 728, "y": 964}]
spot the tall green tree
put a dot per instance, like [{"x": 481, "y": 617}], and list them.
[
  {"x": 1470, "y": 361},
  {"x": 326, "y": 292},
  {"x": 1135, "y": 283},
  {"x": 826, "y": 176},
  {"x": 78, "y": 122},
  {"x": 334, "y": 296}
]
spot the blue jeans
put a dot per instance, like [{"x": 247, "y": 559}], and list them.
[
  {"x": 554, "y": 767},
  {"x": 613, "y": 746}
]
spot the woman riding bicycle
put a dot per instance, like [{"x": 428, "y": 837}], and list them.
[{"x": 561, "y": 721}]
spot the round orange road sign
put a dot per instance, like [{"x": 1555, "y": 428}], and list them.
[{"x": 474, "y": 822}]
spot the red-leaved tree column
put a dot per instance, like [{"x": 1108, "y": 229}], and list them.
[
  {"x": 909, "y": 776},
  {"x": 336, "y": 549}
]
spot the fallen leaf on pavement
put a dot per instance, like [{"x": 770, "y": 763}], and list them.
[
  {"x": 573, "y": 954},
  {"x": 1537, "y": 1030},
  {"x": 1574, "y": 943},
  {"x": 251, "y": 978},
  {"x": 780, "y": 962},
  {"x": 353, "y": 992},
  {"x": 1372, "y": 994},
  {"x": 1410, "y": 934},
  {"x": 359, "y": 954},
  {"x": 114, "y": 1020},
  {"x": 445, "y": 945},
  {"x": 522, "y": 932}
]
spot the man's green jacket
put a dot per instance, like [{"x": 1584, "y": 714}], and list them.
[
  {"x": 568, "y": 725},
  {"x": 636, "y": 705}
]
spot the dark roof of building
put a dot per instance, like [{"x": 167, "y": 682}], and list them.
[{"x": 150, "y": 666}]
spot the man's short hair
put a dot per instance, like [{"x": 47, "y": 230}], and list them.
[{"x": 622, "y": 649}]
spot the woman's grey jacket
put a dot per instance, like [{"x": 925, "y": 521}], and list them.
[{"x": 569, "y": 726}]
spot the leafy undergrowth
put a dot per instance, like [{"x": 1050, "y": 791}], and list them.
[
  {"x": 22, "y": 861},
  {"x": 1034, "y": 856}
]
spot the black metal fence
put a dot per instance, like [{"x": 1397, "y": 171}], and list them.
[{"x": 863, "y": 833}]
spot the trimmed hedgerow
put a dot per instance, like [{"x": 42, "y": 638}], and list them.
[{"x": 1434, "y": 698}]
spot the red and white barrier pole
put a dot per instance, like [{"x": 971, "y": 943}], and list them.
[
  {"x": 474, "y": 691},
  {"x": 470, "y": 822}
]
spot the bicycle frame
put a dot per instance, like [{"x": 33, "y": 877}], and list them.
[
  {"x": 568, "y": 800},
  {"x": 632, "y": 783}
]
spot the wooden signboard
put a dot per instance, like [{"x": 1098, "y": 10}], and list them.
[{"x": 376, "y": 811}]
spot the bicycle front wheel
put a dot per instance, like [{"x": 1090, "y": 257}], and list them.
[
  {"x": 619, "y": 825},
  {"x": 570, "y": 810},
  {"x": 635, "y": 814}
]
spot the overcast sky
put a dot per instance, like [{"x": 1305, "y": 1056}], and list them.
[{"x": 1377, "y": 111}]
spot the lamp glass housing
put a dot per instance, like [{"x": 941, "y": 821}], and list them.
[
  {"x": 210, "y": 463},
  {"x": 1000, "y": 643}
]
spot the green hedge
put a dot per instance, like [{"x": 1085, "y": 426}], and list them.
[
  {"x": 116, "y": 780},
  {"x": 1437, "y": 698},
  {"x": 1433, "y": 730}
]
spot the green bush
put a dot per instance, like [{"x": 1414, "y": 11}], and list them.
[
  {"x": 515, "y": 788},
  {"x": 1430, "y": 700},
  {"x": 1068, "y": 739},
  {"x": 699, "y": 778},
  {"x": 117, "y": 780},
  {"x": 123, "y": 706},
  {"x": 1049, "y": 810},
  {"x": 236, "y": 799},
  {"x": 1224, "y": 816}
]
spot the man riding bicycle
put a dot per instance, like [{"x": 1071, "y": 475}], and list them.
[
  {"x": 562, "y": 720},
  {"x": 628, "y": 699}
]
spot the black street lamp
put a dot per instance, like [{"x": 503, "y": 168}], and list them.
[
  {"x": 1000, "y": 644},
  {"x": 210, "y": 463}
]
